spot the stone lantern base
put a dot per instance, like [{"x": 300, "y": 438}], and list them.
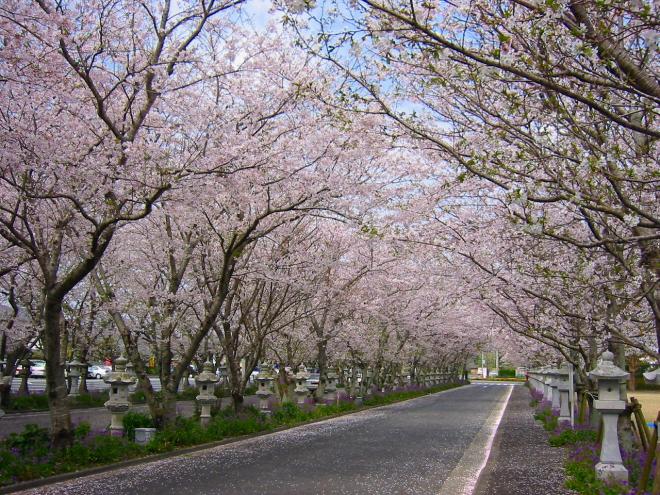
[
  {"x": 605, "y": 471},
  {"x": 117, "y": 412}
]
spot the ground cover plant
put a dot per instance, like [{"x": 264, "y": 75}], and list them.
[
  {"x": 29, "y": 455},
  {"x": 583, "y": 455}
]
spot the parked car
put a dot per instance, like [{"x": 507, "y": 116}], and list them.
[
  {"x": 312, "y": 382},
  {"x": 98, "y": 371},
  {"x": 38, "y": 369}
]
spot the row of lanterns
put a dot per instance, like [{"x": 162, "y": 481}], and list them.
[{"x": 555, "y": 386}]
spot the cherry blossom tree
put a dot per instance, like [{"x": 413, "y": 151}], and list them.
[
  {"x": 89, "y": 93},
  {"x": 554, "y": 104}
]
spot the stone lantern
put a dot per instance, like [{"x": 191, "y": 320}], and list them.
[
  {"x": 265, "y": 390},
  {"x": 222, "y": 374},
  {"x": 533, "y": 379},
  {"x": 547, "y": 389},
  {"x": 553, "y": 376},
  {"x": 75, "y": 370},
  {"x": 563, "y": 388},
  {"x": 610, "y": 405},
  {"x": 652, "y": 376},
  {"x": 368, "y": 382},
  {"x": 331, "y": 387},
  {"x": 301, "y": 389},
  {"x": 290, "y": 378},
  {"x": 405, "y": 374},
  {"x": 205, "y": 382},
  {"x": 119, "y": 381}
]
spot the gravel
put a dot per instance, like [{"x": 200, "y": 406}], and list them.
[{"x": 522, "y": 462}]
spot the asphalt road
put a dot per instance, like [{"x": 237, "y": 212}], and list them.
[{"x": 436, "y": 444}]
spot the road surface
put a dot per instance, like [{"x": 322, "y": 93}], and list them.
[{"x": 436, "y": 444}]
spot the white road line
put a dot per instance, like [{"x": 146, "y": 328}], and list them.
[{"x": 463, "y": 478}]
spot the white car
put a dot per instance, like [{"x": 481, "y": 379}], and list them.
[
  {"x": 38, "y": 369},
  {"x": 98, "y": 371}
]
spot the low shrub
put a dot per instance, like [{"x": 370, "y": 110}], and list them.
[
  {"x": 184, "y": 432},
  {"x": 580, "y": 466},
  {"x": 33, "y": 441},
  {"x": 546, "y": 415},
  {"x": 289, "y": 413},
  {"x": 138, "y": 397},
  {"x": 33, "y": 402},
  {"x": 28, "y": 455},
  {"x": 572, "y": 437},
  {"x": 507, "y": 373},
  {"x": 187, "y": 394},
  {"x": 134, "y": 420},
  {"x": 93, "y": 399},
  {"x": 581, "y": 473}
]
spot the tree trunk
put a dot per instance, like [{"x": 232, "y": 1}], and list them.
[
  {"x": 60, "y": 417},
  {"x": 12, "y": 359},
  {"x": 321, "y": 347},
  {"x": 283, "y": 384},
  {"x": 237, "y": 401},
  {"x": 235, "y": 378},
  {"x": 169, "y": 404},
  {"x": 24, "y": 388},
  {"x": 82, "y": 387}
]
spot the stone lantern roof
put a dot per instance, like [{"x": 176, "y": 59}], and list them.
[
  {"x": 207, "y": 376},
  {"x": 606, "y": 369},
  {"x": 302, "y": 373},
  {"x": 120, "y": 375},
  {"x": 264, "y": 373}
]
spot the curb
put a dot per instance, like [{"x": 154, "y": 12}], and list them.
[{"x": 57, "y": 478}]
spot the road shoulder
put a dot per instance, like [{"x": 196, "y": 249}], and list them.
[{"x": 521, "y": 461}]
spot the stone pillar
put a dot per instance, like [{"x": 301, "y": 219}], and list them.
[
  {"x": 331, "y": 387},
  {"x": 547, "y": 389},
  {"x": 223, "y": 375},
  {"x": 536, "y": 381},
  {"x": 75, "y": 368},
  {"x": 205, "y": 382},
  {"x": 563, "y": 389},
  {"x": 301, "y": 391},
  {"x": 119, "y": 381},
  {"x": 367, "y": 383},
  {"x": 265, "y": 391},
  {"x": 553, "y": 373},
  {"x": 531, "y": 380},
  {"x": 610, "y": 405}
]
